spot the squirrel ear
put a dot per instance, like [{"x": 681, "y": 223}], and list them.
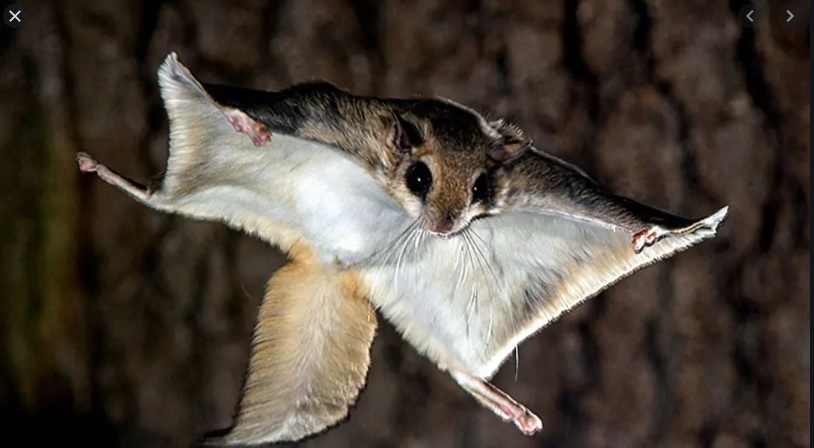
[
  {"x": 406, "y": 134},
  {"x": 509, "y": 149},
  {"x": 512, "y": 144}
]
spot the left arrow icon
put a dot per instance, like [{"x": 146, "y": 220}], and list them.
[{"x": 747, "y": 16}]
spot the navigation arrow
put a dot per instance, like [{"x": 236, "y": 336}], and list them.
[
  {"x": 749, "y": 16},
  {"x": 791, "y": 16}
]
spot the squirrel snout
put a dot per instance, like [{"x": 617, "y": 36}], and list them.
[{"x": 441, "y": 223}]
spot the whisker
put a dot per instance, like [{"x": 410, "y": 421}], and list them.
[
  {"x": 489, "y": 331},
  {"x": 387, "y": 253},
  {"x": 485, "y": 265},
  {"x": 516, "y": 362},
  {"x": 497, "y": 276},
  {"x": 401, "y": 252},
  {"x": 418, "y": 239},
  {"x": 484, "y": 261},
  {"x": 467, "y": 260},
  {"x": 472, "y": 302},
  {"x": 385, "y": 250}
]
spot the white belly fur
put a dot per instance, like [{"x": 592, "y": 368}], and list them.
[{"x": 444, "y": 302}]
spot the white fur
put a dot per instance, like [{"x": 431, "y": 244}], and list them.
[
  {"x": 283, "y": 191},
  {"x": 439, "y": 295},
  {"x": 435, "y": 314}
]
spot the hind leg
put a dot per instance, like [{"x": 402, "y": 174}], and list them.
[{"x": 500, "y": 403}]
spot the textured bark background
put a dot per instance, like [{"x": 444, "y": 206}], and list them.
[{"x": 123, "y": 327}]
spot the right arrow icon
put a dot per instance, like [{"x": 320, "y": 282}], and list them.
[{"x": 791, "y": 16}]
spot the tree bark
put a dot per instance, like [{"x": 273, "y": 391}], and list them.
[{"x": 120, "y": 326}]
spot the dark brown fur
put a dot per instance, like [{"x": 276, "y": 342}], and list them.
[{"x": 388, "y": 136}]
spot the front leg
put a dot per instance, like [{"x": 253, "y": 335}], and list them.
[
  {"x": 247, "y": 125},
  {"x": 317, "y": 111},
  {"x": 87, "y": 164},
  {"x": 499, "y": 402}
]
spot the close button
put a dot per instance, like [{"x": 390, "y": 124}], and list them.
[{"x": 13, "y": 16}]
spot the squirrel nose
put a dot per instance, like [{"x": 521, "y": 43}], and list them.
[{"x": 442, "y": 223}]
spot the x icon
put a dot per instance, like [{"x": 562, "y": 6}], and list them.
[{"x": 13, "y": 16}]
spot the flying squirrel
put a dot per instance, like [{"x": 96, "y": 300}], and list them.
[{"x": 459, "y": 231}]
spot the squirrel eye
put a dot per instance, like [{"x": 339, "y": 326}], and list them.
[
  {"x": 483, "y": 189},
  {"x": 419, "y": 179}
]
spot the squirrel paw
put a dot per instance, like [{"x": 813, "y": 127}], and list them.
[
  {"x": 245, "y": 124},
  {"x": 647, "y": 238}
]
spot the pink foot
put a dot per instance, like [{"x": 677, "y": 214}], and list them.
[
  {"x": 500, "y": 403},
  {"x": 245, "y": 124},
  {"x": 647, "y": 238},
  {"x": 87, "y": 164},
  {"x": 528, "y": 423}
]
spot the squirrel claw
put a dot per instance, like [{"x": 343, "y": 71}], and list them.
[
  {"x": 87, "y": 164},
  {"x": 647, "y": 238}
]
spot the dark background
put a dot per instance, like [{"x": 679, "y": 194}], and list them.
[{"x": 120, "y": 326}]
